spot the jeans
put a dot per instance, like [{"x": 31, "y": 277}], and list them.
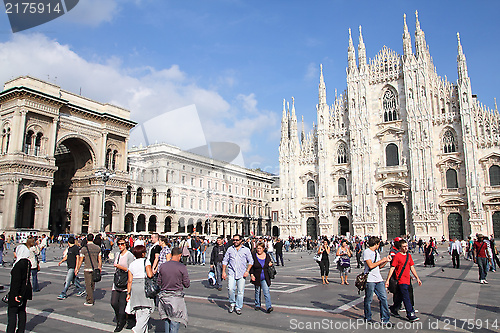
[
  {"x": 218, "y": 274},
  {"x": 16, "y": 317},
  {"x": 192, "y": 258},
  {"x": 379, "y": 289},
  {"x": 233, "y": 285},
  {"x": 271, "y": 254},
  {"x": 203, "y": 257},
  {"x": 279, "y": 257},
  {"x": 1, "y": 257},
  {"x": 267, "y": 294},
  {"x": 403, "y": 296},
  {"x": 34, "y": 280},
  {"x": 42, "y": 252},
  {"x": 71, "y": 278},
  {"x": 172, "y": 326},
  {"x": 142, "y": 316},
  {"x": 482, "y": 264}
]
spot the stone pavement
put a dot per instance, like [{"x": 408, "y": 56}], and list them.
[{"x": 449, "y": 300}]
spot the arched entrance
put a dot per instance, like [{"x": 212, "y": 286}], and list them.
[
  {"x": 496, "y": 224},
  {"x": 168, "y": 224},
  {"x": 276, "y": 231},
  {"x": 199, "y": 227},
  {"x": 395, "y": 220},
  {"x": 190, "y": 227},
  {"x": 129, "y": 223},
  {"x": 182, "y": 225},
  {"x": 206, "y": 229},
  {"x": 455, "y": 227},
  {"x": 141, "y": 223},
  {"x": 343, "y": 225},
  {"x": 152, "y": 223},
  {"x": 25, "y": 216},
  {"x": 312, "y": 228},
  {"x": 73, "y": 158},
  {"x": 259, "y": 227},
  {"x": 108, "y": 215}
]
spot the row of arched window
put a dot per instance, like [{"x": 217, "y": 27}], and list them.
[
  {"x": 341, "y": 187},
  {"x": 32, "y": 143},
  {"x": 111, "y": 156},
  {"x": 154, "y": 195}
]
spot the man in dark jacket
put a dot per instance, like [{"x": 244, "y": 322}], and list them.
[
  {"x": 278, "y": 248},
  {"x": 216, "y": 257}
]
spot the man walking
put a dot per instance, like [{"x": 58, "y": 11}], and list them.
[
  {"x": 236, "y": 267},
  {"x": 173, "y": 278},
  {"x": 216, "y": 258},
  {"x": 279, "y": 252},
  {"x": 402, "y": 265},
  {"x": 375, "y": 282},
  {"x": 43, "y": 247},
  {"x": 481, "y": 258},
  {"x": 71, "y": 258},
  {"x": 91, "y": 254},
  {"x": 359, "y": 251},
  {"x": 455, "y": 251}
]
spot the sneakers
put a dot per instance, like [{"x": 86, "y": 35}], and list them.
[
  {"x": 88, "y": 304},
  {"x": 483, "y": 282},
  {"x": 413, "y": 319},
  {"x": 270, "y": 310},
  {"x": 62, "y": 296},
  {"x": 82, "y": 293},
  {"x": 231, "y": 308},
  {"x": 238, "y": 311},
  {"x": 257, "y": 308},
  {"x": 404, "y": 310}
]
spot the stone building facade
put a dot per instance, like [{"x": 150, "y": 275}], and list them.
[
  {"x": 172, "y": 191},
  {"x": 53, "y": 142},
  {"x": 402, "y": 151}
]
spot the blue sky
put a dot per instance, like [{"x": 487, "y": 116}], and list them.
[{"x": 237, "y": 60}]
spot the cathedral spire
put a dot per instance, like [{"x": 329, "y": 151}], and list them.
[
  {"x": 351, "y": 55},
  {"x": 461, "y": 61},
  {"x": 420, "y": 44},
  {"x": 284, "y": 124},
  {"x": 496, "y": 108},
  {"x": 302, "y": 133},
  {"x": 322, "y": 87},
  {"x": 407, "y": 49},
  {"x": 361, "y": 51}
]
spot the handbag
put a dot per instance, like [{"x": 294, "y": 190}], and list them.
[
  {"x": 151, "y": 286},
  {"x": 120, "y": 278},
  {"x": 317, "y": 257},
  {"x": 96, "y": 272},
  {"x": 362, "y": 278},
  {"x": 271, "y": 270},
  {"x": 345, "y": 261},
  {"x": 393, "y": 282}
]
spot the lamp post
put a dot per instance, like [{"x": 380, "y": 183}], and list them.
[
  {"x": 209, "y": 194},
  {"x": 105, "y": 176}
]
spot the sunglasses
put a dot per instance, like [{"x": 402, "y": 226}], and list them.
[
  {"x": 121, "y": 244},
  {"x": 236, "y": 240}
]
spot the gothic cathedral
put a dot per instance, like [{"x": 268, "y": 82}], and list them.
[{"x": 402, "y": 152}]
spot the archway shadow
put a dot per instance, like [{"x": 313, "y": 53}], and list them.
[
  {"x": 38, "y": 319},
  {"x": 491, "y": 308},
  {"x": 216, "y": 299},
  {"x": 44, "y": 284}
]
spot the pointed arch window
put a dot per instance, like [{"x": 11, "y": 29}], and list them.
[
  {"x": 391, "y": 155},
  {"x": 28, "y": 141},
  {"x": 389, "y": 105},
  {"x": 451, "y": 178},
  {"x": 138, "y": 196},
  {"x": 128, "y": 196},
  {"x": 342, "y": 186},
  {"x": 449, "y": 143},
  {"x": 5, "y": 140},
  {"x": 169, "y": 198},
  {"x": 342, "y": 154},
  {"x": 153, "y": 197},
  {"x": 311, "y": 191},
  {"x": 494, "y": 172}
]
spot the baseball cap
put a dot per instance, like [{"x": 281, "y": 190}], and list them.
[{"x": 397, "y": 239}]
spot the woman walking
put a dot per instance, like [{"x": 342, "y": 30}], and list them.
[
  {"x": 259, "y": 276},
  {"x": 324, "y": 263},
  {"x": 123, "y": 259},
  {"x": 139, "y": 304},
  {"x": 344, "y": 262},
  {"x": 20, "y": 291},
  {"x": 33, "y": 258},
  {"x": 429, "y": 254}
]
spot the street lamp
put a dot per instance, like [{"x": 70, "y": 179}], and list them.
[
  {"x": 105, "y": 176},
  {"x": 209, "y": 194}
]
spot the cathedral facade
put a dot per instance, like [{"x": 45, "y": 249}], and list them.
[{"x": 402, "y": 151}]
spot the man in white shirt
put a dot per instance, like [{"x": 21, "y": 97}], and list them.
[
  {"x": 455, "y": 250},
  {"x": 139, "y": 241},
  {"x": 375, "y": 283}
]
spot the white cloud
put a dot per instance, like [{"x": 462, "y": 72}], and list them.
[
  {"x": 93, "y": 12},
  {"x": 312, "y": 71},
  {"x": 148, "y": 92}
]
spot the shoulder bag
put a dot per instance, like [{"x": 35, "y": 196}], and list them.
[
  {"x": 393, "y": 282},
  {"x": 121, "y": 277},
  {"x": 362, "y": 278},
  {"x": 271, "y": 270},
  {"x": 96, "y": 272},
  {"x": 151, "y": 286}
]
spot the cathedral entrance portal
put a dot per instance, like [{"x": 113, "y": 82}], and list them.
[
  {"x": 312, "y": 228},
  {"x": 25, "y": 217},
  {"x": 496, "y": 224},
  {"x": 395, "y": 220},
  {"x": 455, "y": 228},
  {"x": 343, "y": 225},
  {"x": 74, "y": 162}
]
